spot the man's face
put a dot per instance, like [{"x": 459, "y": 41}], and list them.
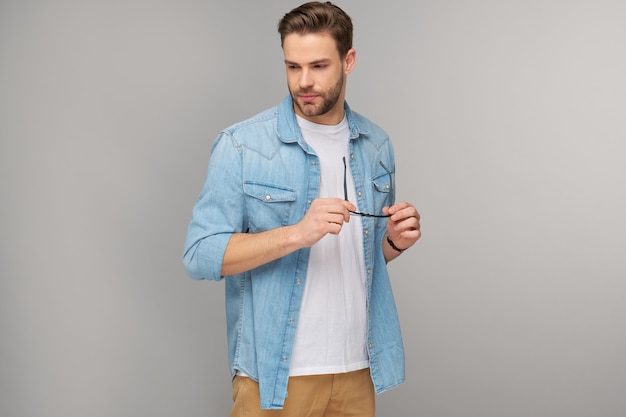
[{"x": 316, "y": 76}]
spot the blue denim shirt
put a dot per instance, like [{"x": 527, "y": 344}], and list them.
[{"x": 263, "y": 175}]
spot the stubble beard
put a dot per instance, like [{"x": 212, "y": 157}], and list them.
[{"x": 329, "y": 100}]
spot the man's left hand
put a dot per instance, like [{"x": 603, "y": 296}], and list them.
[{"x": 403, "y": 226}]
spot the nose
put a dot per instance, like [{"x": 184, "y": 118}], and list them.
[{"x": 306, "y": 81}]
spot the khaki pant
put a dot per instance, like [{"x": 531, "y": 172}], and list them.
[{"x": 338, "y": 395}]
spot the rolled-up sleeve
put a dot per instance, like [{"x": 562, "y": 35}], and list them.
[{"x": 218, "y": 213}]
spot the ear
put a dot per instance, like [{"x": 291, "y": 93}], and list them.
[{"x": 349, "y": 61}]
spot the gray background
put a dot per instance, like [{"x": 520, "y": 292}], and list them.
[{"x": 508, "y": 119}]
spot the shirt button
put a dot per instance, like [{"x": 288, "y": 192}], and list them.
[
  {"x": 313, "y": 163},
  {"x": 369, "y": 345},
  {"x": 298, "y": 281},
  {"x": 351, "y": 156},
  {"x": 284, "y": 359},
  {"x": 268, "y": 197},
  {"x": 369, "y": 271},
  {"x": 360, "y": 193},
  {"x": 367, "y": 232},
  {"x": 291, "y": 321}
]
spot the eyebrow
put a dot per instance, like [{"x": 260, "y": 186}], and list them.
[{"x": 316, "y": 62}]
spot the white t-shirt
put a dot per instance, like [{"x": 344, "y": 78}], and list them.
[{"x": 331, "y": 333}]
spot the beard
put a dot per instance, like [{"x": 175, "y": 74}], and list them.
[{"x": 329, "y": 98}]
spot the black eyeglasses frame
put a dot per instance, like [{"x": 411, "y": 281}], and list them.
[{"x": 345, "y": 190}]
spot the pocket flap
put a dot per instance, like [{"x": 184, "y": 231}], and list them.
[
  {"x": 381, "y": 183},
  {"x": 268, "y": 193}
]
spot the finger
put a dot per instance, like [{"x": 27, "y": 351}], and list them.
[
  {"x": 335, "y": 223},
  {"x": 405, "y": 213},
  {"x": 407, "y": 237},
  {"x": 335, "y": 205},
  {"x": 340, "y": 212},
  {"x": 334, "y": 228},
  {"x": 347, "y": 208},
  {"x": 340, "y": 207},
  {"x": 410, "y": 237},
  {"x": 407, "y": 223},
  {"x": 400, "y": 229},
  {"x": 403, "y": 205},
  {"x": 338, "y": 218}
]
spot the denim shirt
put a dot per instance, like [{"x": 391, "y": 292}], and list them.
[{"x": 263, "y": 175}]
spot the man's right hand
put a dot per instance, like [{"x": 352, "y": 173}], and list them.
[{"x": 326, "y": 215}]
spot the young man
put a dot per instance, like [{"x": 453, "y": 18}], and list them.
[{"x": 298, "y": 216}]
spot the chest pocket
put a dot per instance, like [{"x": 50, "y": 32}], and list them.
[
  {"x": 383, "y": 193},
  {"x": 268, "y": 205},
  {"x": 383, "y": 186}
]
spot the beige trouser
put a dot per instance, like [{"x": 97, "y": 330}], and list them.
[{"x": 337, "y": 395}]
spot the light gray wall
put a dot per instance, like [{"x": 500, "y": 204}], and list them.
[{"x": 509, "y": 123}]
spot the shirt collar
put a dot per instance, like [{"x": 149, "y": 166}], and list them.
[{"x": 287, "y": 125}]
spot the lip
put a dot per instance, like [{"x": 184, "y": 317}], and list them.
[{"x": 307, "y": 97}]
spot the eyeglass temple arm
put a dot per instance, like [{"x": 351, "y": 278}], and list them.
[{"x": 345, "y": 184}]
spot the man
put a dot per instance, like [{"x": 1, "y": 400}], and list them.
[{"x": 298, "y": 216}]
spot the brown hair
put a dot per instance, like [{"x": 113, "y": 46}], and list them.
[{"x": 317, "y": 17}]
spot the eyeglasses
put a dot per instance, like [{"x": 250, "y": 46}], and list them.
[{"x": 345, "y": 190}]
